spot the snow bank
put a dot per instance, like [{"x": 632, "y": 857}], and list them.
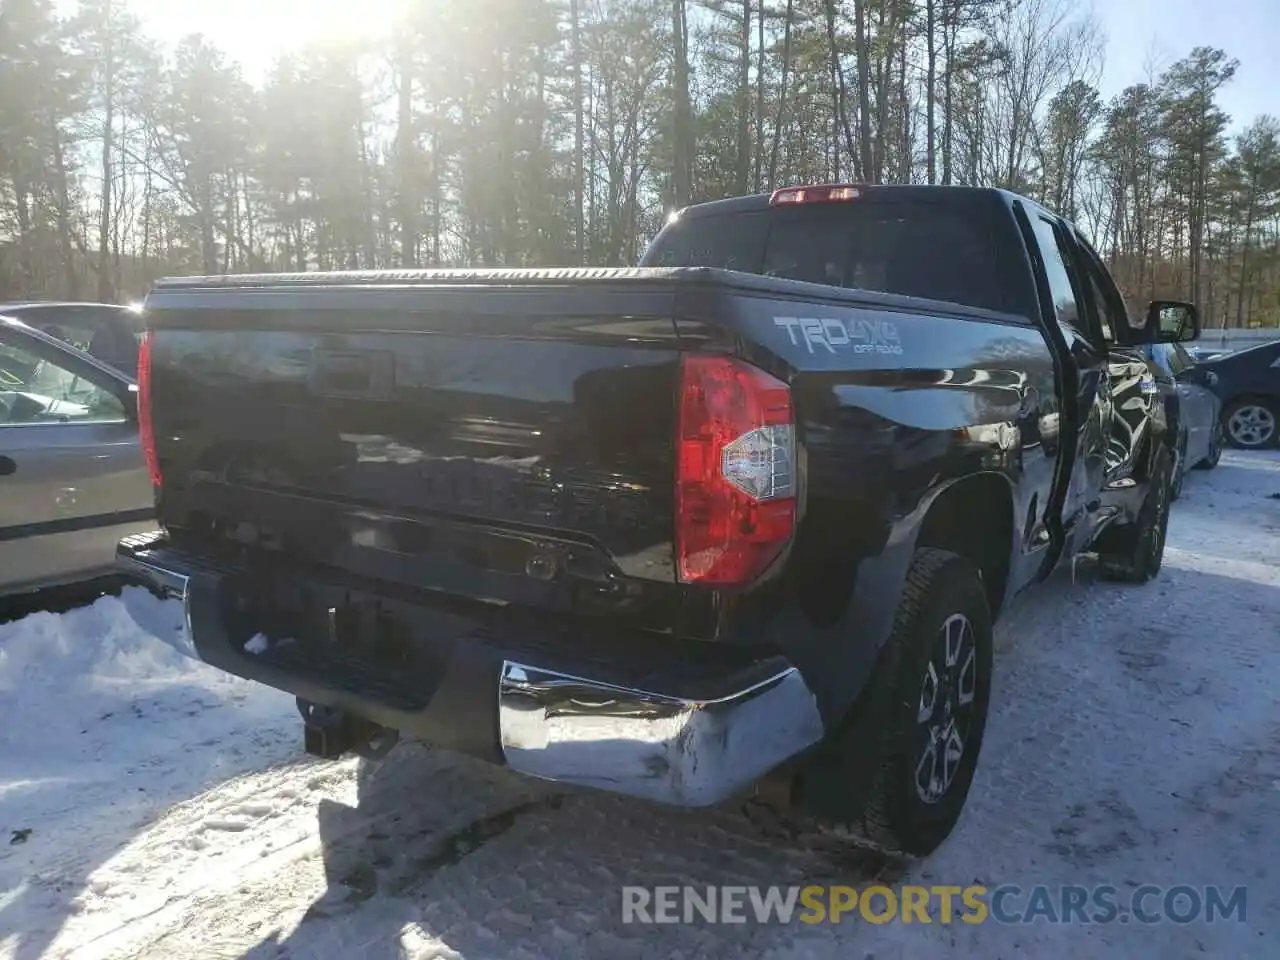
[
  {"x": 80, "y": 649},
  {"x": 102, "y": 727}
]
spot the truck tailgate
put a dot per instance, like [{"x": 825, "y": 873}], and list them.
[{"x": 503, "y": 443}]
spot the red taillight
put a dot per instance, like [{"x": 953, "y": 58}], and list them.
[
  {"x": 145, "y": 430},
  {"x": 817, "y": 193},
  {"x": 736, "y": 471}
]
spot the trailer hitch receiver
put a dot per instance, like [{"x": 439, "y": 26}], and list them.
[{"x": 330, "y": 732}]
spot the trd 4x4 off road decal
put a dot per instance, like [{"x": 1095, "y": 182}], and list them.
[{"x": 835, "y": 335}]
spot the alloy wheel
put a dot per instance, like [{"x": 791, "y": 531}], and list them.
[
  {"x": 945, "y": 709},
  {"x": 1252, "y": 425}
]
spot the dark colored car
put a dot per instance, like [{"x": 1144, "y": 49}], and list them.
[
  {"x": 1192, "y": 408},
  {"x": 107, "y": 332},
  {"x": 1247, "y": 383},
  {"x": 1200, "y": 354},
  {"x": 73, "y": 480},
  {"x": 739, "y": 520}
]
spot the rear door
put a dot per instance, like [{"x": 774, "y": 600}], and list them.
[
  {"x": 1134, "y": 392},
  {"x": 1093, "y": 411},
  {"x": 72, "y": 477}
]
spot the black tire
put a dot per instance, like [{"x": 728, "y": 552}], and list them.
[
  {"x": 1215, "y": 449},
  {"x": 1138, "y": 556},
  {"x": 886, "y": 743},
  {"x": 1179, "y": 470},
  {"x": 1265, "y": 412}
]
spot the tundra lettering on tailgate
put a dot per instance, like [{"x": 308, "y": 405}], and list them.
[{"x": 834, "y": 334}]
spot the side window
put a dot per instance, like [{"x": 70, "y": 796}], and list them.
[
  {"x": 73, "y": 333},
  {"x": 1099, "y": 303},
  {"x": 1059, "y": 270},
  {"x": 1179, "y": 359},
  {"x": 1112, "y": 312},
  {"x": 34, "y": 390}
]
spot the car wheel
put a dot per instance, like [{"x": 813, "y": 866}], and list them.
[
  {"x": 1215, "y": 449},
  {"x": 1179, "y": 469},
  {"x": 1138, "y": 556},
  {"x": 1251, "y": 424},
  {"x": 904, "y": 761}
]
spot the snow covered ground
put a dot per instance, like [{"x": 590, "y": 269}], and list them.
[{"x": 151, "y": 807}]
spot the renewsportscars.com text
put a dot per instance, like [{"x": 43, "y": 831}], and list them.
[{"x": 1007, "y": 903}]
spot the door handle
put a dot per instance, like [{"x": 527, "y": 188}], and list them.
[{"x": 7, "y": 466}]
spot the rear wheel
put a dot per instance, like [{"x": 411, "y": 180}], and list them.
[
  {"x": 1251, "y": 424},
  {"x": 909, "y": 752},
  {"x": 1215, "y": 449},
  {"x": 1137, "y": 556}
]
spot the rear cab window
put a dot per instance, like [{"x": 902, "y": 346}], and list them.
[{"x": 911, "y": 247}]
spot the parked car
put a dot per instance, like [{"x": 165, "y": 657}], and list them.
[
  {"x": 105, "y": 331},
  {"x": 740, "y": 519},
  {"x": 1247, "y": 383},
  {"x": 1192, "y": 409},
  {"x": 1200, "y": 354},
  {"x": 73, "y": 480}
]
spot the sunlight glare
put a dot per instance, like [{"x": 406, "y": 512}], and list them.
[{"x": 254, "y": 32}]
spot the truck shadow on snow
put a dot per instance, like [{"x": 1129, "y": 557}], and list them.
[
  {"x": 445, "y": 853},
  {"x": 449, "y": 852}
]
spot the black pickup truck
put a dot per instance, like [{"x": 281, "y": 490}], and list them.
[{"x": 732, "y": 525}]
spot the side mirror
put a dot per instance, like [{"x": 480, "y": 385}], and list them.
[{"x": 1173, "y": 321}]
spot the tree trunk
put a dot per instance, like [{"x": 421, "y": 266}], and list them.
[
  {"x": 22, "y": 203},
  {"x": 435, "y": 194},
  {"x": 837, "y": 77},
  {"x": 70, "y": 277},
  {"x": 405, "y": 153},
  {"x": 780, "y": 119},
  {"x": 949, "y": 31},
  {"x": 105, "y": 292},
  {"x": 930, "y": 86},
  {"x": 759, "y": 144},
  {"x": 1244, "y": 263},
  {"x": 867, "y": 172},
  {"x": 579, "y": 224},
  {"x": 685, "y": 149},
  {"x": 904, "y": 117},
  {"x": 146, "y": 206},
  {"x": 742, "y": 179}
]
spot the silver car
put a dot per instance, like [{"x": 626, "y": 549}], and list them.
[{"x": 73, "y": 479}]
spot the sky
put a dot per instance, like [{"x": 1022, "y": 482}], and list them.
[{"x": 1141, "y": 33}]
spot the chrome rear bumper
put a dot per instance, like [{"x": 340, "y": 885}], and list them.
[
  {"x": 685, "y": 750},
  {"x": 645, "y": 744}
]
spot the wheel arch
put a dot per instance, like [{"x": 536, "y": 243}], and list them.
[{"x": 974, "y": 517}]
